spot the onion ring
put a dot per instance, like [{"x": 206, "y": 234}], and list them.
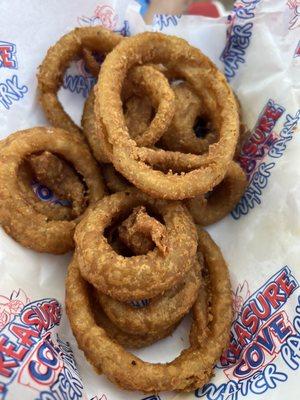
[
  {"x": 222, "y": 200},
  {"x": 132, "y": 341},
  {"x": 191, "y": 370},
  {"x": 18, "y": 218},
  {"x": 161, "y": 313},
  {"x": 140, "y": 277},
  {"x": 208, "y": 83}
]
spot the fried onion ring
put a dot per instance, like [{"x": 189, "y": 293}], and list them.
[
  {"x": 222, "y": 200},
  {"x": 191, "y": 370},
  {"x": 209, "y": 84},
  {"x": 139, "y": 277},
  {"x": 18, "y": 218},
  {"x": 161, "y": 313},
  {"x": 132, "y": 341}
]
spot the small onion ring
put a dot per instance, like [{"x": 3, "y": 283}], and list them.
[
  {"x": 208, "y": 83},
  {"x": 139, "y": 277},
  {"x": 161, "y": 313},
  {"x": 191, "y": 370},
  {"x": 222, "y": 199},
  {"x": 20, "y": 219},
  {"x": 132, "y": 341}
]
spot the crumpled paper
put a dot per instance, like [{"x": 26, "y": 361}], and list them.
[{"x": 258, "y": 48}]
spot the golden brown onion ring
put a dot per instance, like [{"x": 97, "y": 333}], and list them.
[
  {"x": 222, "y": 200},
  {"x": 57, "y": 60},
  {"x": 191, "y": 370},
  {"x": 19, "y": 219},
  {"x": 139, "y": 277},
  {"x": 161, "y": 313},
  {"x": 209, "y": 84}
]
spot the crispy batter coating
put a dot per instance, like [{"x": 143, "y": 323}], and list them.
[
  {"x": 19, "y": 219},
  {"x": 139, "y": 277},
  {"x": 141, "y": 80},
  {"x": 181, "y": 135},
  {"x": 161, "y": 313},
  {"x": 132, "y": 341},
  {"x": 57, "y": 60},
  {"x": 191, "y": 370},
  {"x": 201, "y": 172},
  {"x": 140, "y": 231},
  {"x": 138, "y": 115},
  {"x": 52, "y": 211},
  {"x": 56, "y": 174},
  {"x": 222, "y": 200},
  {"x": 114, "y": 181}
]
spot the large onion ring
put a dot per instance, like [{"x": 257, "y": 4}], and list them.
[
  {"x": 208, "y": 83},
  {"x": 192, "y": 369},
  {"x": 139, "y": 277},
  {"x": 19, "y": 218}
]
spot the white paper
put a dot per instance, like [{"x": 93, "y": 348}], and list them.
[{"x": 260, "y": 240}]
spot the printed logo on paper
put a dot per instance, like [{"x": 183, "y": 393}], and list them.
[
  {"x": 103, "y": 15},
  {"x": 103, "y": 397},
  {"x": 11, "y": 91},
  {"x": 32, "y": 356},
  {"x": 294, "y": 21},
  {"x": 260, "y": 152},
  {"x": 297, "y": 51},
  {"x": 82, "y": 82},
  {"x": 8, "y": 55},
  {"x": 264, "y": 341},
  {"x": 239, "y": 34},
  {"x": 163, "y": 21}
]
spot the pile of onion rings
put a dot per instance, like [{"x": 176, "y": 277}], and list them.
[{"x": 152, "y": 163}]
